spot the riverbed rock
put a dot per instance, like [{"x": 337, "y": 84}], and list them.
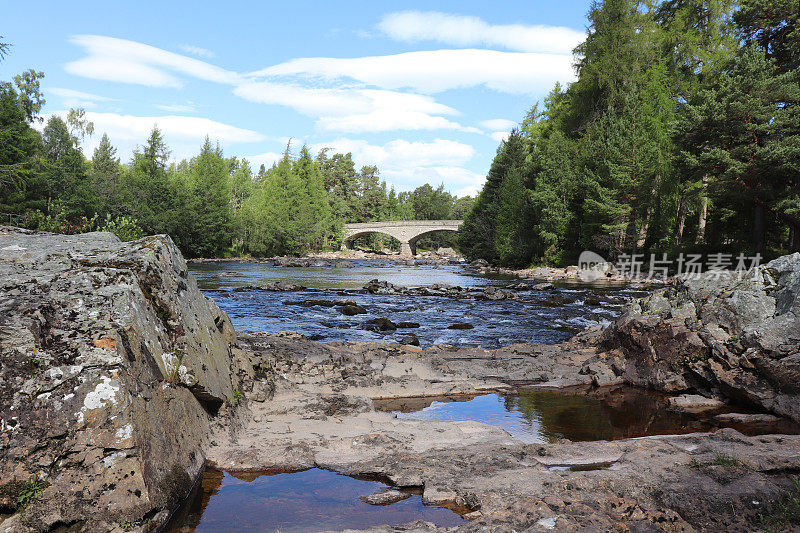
[
  {"x": 496, "y": 293},
  {"x": 275, "y": 286},
  {"x": 377, "y": 286},
  {"x": 352, "y": 310},
  {"x": 311, "y": 303},
  {"x": 383, "y": 324},
  {"x": 386, "y": 497},
  {"x": 747, "y": 418},
  {"x": 694, "y": 403},
  {"x": 410, "y": 340},
  {"x": 721, "y": 332},
  {"x": 461, "y": 326},
  {"x": 114, "y": 367}
]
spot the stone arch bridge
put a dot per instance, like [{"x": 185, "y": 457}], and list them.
[{"x": 405, "y": 231}]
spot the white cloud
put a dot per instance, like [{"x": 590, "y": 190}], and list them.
[
  {"x": 402, "y": 153},
  {"x": 183, "y": 135},
  {"x": 73, "y": 98},
  {"x": 126, "y": 61},
  {"x": 176, "y": 108},
  {"x": 352, "y": 110},
  {"x": 197, "y": 51},
  {"x": 438, "y": 70},
  {"x": 457, "y": 180},
  {"x": 499, "y": 136},
  {"x": 407, "y": 165},
  {"x": 498, "y": 124},
  {"x": 459, "y": 30},
  {"x": 266, "y": 159}
]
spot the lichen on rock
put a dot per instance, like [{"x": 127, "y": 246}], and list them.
[{"x": 114, "y": 366}]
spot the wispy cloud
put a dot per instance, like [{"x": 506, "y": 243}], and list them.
[
  {"x": 73, "y": 98},
  {"x": 126, "y": 61},
  {"x": 176, "y": 108},
  {"x": 409, "y": 164},
  {"x": 499, "y": 136},
  {"x": 351, "y": 110},
  {"x": 183, "y": 135},
  {"x": 436, "y": 71},
  {"x": 462, "y": 31},
  {"x": 197, "y": 51},
  {"x": 498, "y": 124}
]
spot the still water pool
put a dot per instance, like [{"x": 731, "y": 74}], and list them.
[{"x": 308, "y": 501}]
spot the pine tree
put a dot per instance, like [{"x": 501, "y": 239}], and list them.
[
  {"x": 315, "y": 214},
  {"x": 744, "y": 131},
  {"x": 106, "y": 175},
  {"x": 210, "y": 202}
]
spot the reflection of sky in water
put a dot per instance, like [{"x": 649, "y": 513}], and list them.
[
  {"x": 499, "y": 323},
  {"x": 313, "y": 500},
  {"x": 542, "y": 416},
  {"x": 489, "y": 409}
]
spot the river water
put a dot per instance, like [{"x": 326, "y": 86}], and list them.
[
  {"x": 318, "y": 500},
  {"x": 543, "y": 316}
]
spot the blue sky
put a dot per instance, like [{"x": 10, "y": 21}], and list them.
[{"x": 424, "y": 90}]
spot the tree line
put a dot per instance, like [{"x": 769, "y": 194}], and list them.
[
  {"x": 682, "y": 132},
  {"x": 211, "y": 205}
]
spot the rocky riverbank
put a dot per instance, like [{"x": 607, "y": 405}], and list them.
[{"x": 120, "y": 380}]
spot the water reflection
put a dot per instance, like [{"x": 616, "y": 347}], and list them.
[
  {"x": 547, "y": 416},
  {"x": 312, "y": 500}
]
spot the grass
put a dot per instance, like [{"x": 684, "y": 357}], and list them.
[
  {"x": 37, "y": 361},
  {"x": 237, "y": 397},
  {"x": 786, "y": 512},
  {"x": 127, "y": 525},
  {"x": 726, "y": 460},
  {"x": 30, "y": 491}
]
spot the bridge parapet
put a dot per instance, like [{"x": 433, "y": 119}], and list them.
[{"x": 405, "y": 231}]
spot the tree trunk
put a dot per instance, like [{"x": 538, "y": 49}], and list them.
[
  {"x": 681, "y": 219},
  {"x": 645, "y": 227},
  {"x": 701, "y": 222},
  {"x": 794, "y": 238},
  {"x": 759, "y": 227}
]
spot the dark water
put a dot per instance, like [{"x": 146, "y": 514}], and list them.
[
  {"x": 312, "y": 500},
  {"x": 541, "y": 316},
  {"x": 547, "y": 416}
]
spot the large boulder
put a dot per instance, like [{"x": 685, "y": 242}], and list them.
[
  {"x": 113, "y": 366},
  {"x": 733, "y": 335}
]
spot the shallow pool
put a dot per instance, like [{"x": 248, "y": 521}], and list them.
[
  {"x": 535, "y": 416},
  {"x": 307, "y": 501}
]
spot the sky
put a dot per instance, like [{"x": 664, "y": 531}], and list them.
[{"x": 424, "y": 90}]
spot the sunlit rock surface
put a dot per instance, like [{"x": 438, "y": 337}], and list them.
[{"x": 114, "y": 366}]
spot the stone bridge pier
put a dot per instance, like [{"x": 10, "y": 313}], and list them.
[{"x": 405, "y": 231}]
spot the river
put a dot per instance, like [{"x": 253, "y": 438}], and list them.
[{"x": 543, "y": 316}]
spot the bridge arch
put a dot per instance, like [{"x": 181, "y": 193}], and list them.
[{"x": 405, "y": 231}]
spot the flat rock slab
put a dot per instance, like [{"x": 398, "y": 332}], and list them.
[
  {"x": 386, "y": 497},
  {"x": 694, "y": 403}
]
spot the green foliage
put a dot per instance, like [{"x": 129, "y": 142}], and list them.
[
  {"x": 30, "y": 491},
  {"x": 722, "y": 459},
  {"x": 682, "y": 128},
  {"x": 128, "y": 525},
  {"x": 786, "y": 513},
  {"x": 37, "y": 361},
  {"x": 237, "y": 397}
]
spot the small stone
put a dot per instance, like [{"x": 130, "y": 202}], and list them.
[
  {"x": 386, "y": 497},
  {"x": 351, "y": 310}
]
